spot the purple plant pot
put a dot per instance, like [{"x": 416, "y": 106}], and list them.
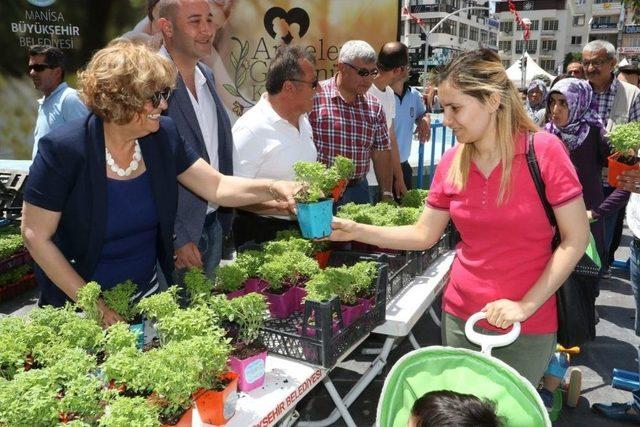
[
  {"x": 350, "y": 313},
  {"x": 367, "y": 303},
  {"x": 300, "y": 294},
  {"x": 250, "y": 371},
  {"x": 309, "y": 350},
  {"x": 235, "y": 294},
  {"x": 254, "y": 284},
  {"x": 282, "y": 305}
]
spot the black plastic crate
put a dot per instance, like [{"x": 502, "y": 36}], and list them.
[
  {"x": 402, "y": 266},
  {"x": 325, "y": 346},
  {"x": 428, "y": 257}
]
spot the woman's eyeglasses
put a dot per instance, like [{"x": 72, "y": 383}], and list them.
[
  {"x": 157, "y": 97},
  {"x": 314, "y": 83},
  {"x": 38, "y": 68},
  {"x": 363, "y": 72}
]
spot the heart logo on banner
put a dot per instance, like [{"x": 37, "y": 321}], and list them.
[{"x": 286, "y": 26}]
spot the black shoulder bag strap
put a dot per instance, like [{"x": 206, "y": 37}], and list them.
[{"x": 534, "y": 169}]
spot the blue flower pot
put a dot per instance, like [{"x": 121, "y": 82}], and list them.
[
  {"x": 315, "y": 218},
  {"x": 138, "y": 328}
]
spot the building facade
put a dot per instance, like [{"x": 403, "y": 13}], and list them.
[
  {"x": 629, "y": 36},
  {"x": 465, "y": 31}
]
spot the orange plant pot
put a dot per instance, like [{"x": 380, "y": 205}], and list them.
[
  {"x": 217, "y": 407},
  {"x": 616, "y": 168},
  {"x": 184, "y": 421},
  {"x": 337, "y": 191},
  {"x": 323, "y": 258}
]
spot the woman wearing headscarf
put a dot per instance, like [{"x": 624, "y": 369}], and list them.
[
  {"x": 574, "y": 120},
  {"x": 536, "y": 97}
]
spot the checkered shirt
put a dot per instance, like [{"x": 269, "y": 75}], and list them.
[
  {"x": 604, "y": 101},
  {"x": 351, "y": 130}
]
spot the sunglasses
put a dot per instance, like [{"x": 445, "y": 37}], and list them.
[
  {"x": 157, "y": 97},
  {"x": 314, "y": 83},
  {"x": 363, "y": 72},
  {"x": 38, "y": 68}
]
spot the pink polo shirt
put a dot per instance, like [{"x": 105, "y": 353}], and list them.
[{"x": 504, "y": 248}]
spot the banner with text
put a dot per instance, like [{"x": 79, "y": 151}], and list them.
[{"x": 249, "y": 33}]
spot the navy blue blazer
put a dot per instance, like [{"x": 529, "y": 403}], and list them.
[
  {"x": 192, "y": 209},
  {"x": 69, "y": 176}
]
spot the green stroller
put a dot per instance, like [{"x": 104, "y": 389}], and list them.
[{"x": 463, "y": 371}]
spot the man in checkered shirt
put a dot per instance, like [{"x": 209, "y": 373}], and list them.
[
  {"x": 350, "y": 122},
  {"x": 599, "y": 61}
]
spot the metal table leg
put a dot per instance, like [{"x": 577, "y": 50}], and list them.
[
  {"x": 434, "y": 316},
  {"x": 342, "y": 404},
  {"x": 414, "y": 342}
]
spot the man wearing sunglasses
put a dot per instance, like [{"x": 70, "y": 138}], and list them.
[
  {"x": 350, "y": 122},
  {"x": 273, "y": 135},
  {"x": 188, "y": 28},
  {"x": 60, "y": 103}
]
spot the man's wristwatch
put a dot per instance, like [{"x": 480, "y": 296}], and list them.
[{"x": 387, "y": 194}]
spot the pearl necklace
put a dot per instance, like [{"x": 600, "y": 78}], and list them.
[{"x": 137, "y": 156}]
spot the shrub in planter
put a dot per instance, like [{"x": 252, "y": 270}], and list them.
[
  {"x": 160, "y": 305},
  {"x": 291, "y": 244},
  {"x": 249, "y": 355},
  {"x": 10, "y": 241},
  {"x": 30, "y": 399},
  {"x": 229, "y": 279},
  {"x": 198, "y": 285},
  {"x": 87, "y": 299},
  {"x": 13, "y": 346},
  {"x": 119, "y": 337},
  {"x": 338, "y": 282},
  {"x": 414, "y": 198},
  {"x": 344, "y": 169},
  {"x": 185, "y": 324},
  {"x": 81, "y": 400},
  {"x": 119, "y": 298},
  {"x": 282, "y": 297},
  {"x": 14, "y": 275},
  {"x": 363, "y": 274},
  {"x": 130, "y": 411},
  {"x": 625, "y": 140},
  {"x": 315, "y": 209},
  {"x": 251, "y": 261}
]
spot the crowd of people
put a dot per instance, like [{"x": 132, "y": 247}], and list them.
[{"x": 134, "y": 175}]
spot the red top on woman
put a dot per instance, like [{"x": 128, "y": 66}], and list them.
[{"x": 504, "y": 248}]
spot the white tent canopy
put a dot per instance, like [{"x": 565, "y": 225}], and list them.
[{"x": 515, "y": 73}]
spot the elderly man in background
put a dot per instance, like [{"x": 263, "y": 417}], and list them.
[
  {"x": 350, "y": 122},
  {"x": 270, "y": 137},
  {"x": 188, "y": 29},
  {"x": 617, "y": 103},
  {"x": 60, "y": 103}
]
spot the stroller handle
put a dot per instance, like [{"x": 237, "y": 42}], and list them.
[{"x": 487, "y": 342}]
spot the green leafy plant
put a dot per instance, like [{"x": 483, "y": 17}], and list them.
[
  {"x": 320, "y": 180},
  {"x": 185, "y": 324},
  {"x": 82, "y": 399},
  {"x": 382, "y": 214},
  {"x": 10, "y": 241},
  {"x": 160, "y": 305},
  {"x": 414, "y": 198},
  {"x": 13, "y": 345},
  {"x": 30, "y": 399},
  {"x": 249, "y": 312},
  {"x": 14, "y": 275},
  {"x": 344, "y": 167},
  {"x": 292, "y": 244},
  {"x": 130, "y": 411},
  {"x": 87, "y": 299},
  {"x": 230, "y": 277},
  {"x": 250, "y": 261},
  {"x": 118, "y": 337},
  {"x": 363, "y": 274},
  {"x": 198, "y": 285},
  {"x": 344, "y": 282},
  {"x": 273, "y": 272},
  {"x": 625, "y": 140},
  {"x": 119, "y": 298}
]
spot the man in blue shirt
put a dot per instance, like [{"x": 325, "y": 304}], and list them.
[
  {"x": 60, "y": 103},
  {"x": 410, "y": 110}
]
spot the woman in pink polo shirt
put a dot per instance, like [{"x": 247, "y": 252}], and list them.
[{"x": 504, "y": 264}]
